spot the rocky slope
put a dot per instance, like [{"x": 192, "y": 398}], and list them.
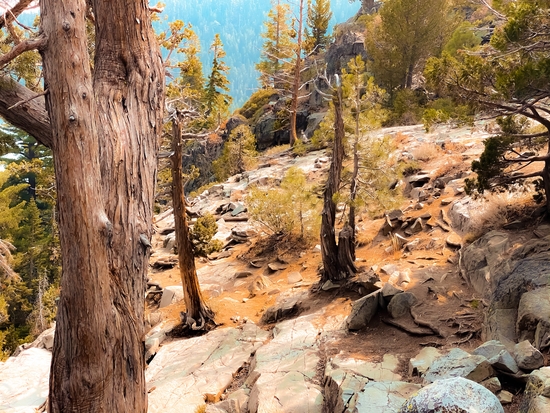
[{"x": 429, "y": 316}]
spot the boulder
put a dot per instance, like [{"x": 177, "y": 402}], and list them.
[
  {"x": 456, "y": 395},
  {"x": 285, "y": 307},
  {"x": 260, "y": 283},
  {"x": 169, "y": 241},
  {"x": 459, "y": 213},
  {"x": 458, "y": 363},
  {"x": 492, "y": 384},
  {"x": 294, "y": 277},
  {"x": 24, "y": 381},
  {"x": 536, "y": 398},
  {"x": 528, "y": 357},
  {"x": 362, "y": 311},
  {"x": 170, "y": 295},
  {"x": 496, "y": 353},
  {"x": 401, "y": 304},
  {"x": 533, "y": 314},
  {"x": 419, "y": 365}
]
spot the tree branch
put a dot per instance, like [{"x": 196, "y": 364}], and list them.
[
  {"x": 31, "y": 44},
  {"x": 30, "y": 116},
  {"x": 15, "y": 11}
]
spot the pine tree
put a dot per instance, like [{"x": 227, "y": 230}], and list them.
[
  {"x": 318, "y": 18},
  {"x": 278, "y": 48},
  {"x": 217, "y": 102},
  {"x": 405, "y": 35}
]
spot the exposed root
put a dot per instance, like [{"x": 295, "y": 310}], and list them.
[{"x": 415, "y": 331}]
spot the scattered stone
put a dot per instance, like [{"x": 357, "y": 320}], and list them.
[
  {"x": 418, "y": 194},
  {"x": 329, "y": 285},
  {"x": 419, "y": 365},
  {"x": 496, "y": 353},
  {"x": 458, "y": 363},
  {"x": 416, "y": 227},
  {"x": 401, "y": 304},
  {"x": 537, "y": 391},
  {"x": 388, "y": 291},
  {"x": 492, "y": 384},
  {"x": 294, "y": 277},
  {"x": 243, "y": 274},
  {"x": 259, "y": 263},
  {"x": 389, "y": 269},
  {"x": 404, "y": 276},
  {"x": 317, "y": 248},
  {"x": 276, "y": 266},
  {"x": 170, "y": 295},
  {"x": 454, "y": 240},
  {"x": 169, "y": 241},
  {"x": 446, "y": 201},
  {"x": 259, "y": 284},
  {"x": 528, "y": 357},
  {"x": 285, "y": 307},
  {"x": 395, "y": 214},
  {"x": 453, "y": 395},
  {"x": 419, "y": 180},
  {"x": 411, "y": 246},
  {"x": 362, "y": 311},
  {"x": 505, "y": 397}
]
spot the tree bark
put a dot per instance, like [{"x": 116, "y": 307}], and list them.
[
  {"x": 329, "y": 248},
  {"x": 199, "y": 316},
  {"x": 105, "y": 129}
]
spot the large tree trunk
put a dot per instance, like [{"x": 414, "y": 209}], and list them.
[
  {"x": 329, "y": 248},
  {"x": 104, "y": 139},
  {"x": 198, "y": 315}
]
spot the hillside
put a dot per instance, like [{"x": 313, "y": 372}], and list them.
[{"x": 284, "y": 342}]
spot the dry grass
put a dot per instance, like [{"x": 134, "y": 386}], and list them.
[
  {"x": 400, "y": 138},
  {"x": 497, "y": 209},
  {"x": 426, "y": 152},
  {"x": 451, "y": 162},
  {"x": 275, "y": 150},
  {"x": 455, "y": 147}
]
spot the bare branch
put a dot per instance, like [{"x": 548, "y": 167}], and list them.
[
  {"x": 31, "y": 44},
  {"x": 14, "y": 12}
]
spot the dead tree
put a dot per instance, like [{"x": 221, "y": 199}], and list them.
[{"x": 198, "y": 315}]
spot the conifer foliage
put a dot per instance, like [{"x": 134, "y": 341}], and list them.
[{"x": 318, "y": 19}]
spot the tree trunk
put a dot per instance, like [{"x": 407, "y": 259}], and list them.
[
  {"x": 546, "y": 183},
  {"x": 198, "y": 314},
  {"x": 296, "y": 84},
  {"x": 346, "y": 251},
  {"x": 104, "y": 139},
  {"x": 329, "y": 248}
]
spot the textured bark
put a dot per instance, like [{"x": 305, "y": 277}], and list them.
[
  {"x": 199, "y": 316},
  {"x": 104, "y": 137},
  {"x": 346, "y": 251},
  {"x": 329, "y": 248},
  {"x": 30, "y": 116}
]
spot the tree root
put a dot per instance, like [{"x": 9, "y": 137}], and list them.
[
  {"x": 415, "y": 331},
  {"x": 427, "y": 324}
]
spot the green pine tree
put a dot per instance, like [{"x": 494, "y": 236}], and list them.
[
  {"x": 278, "y": 49},
  {"x": 318, "y": 18},
  {"x": 217, "y": 97}
]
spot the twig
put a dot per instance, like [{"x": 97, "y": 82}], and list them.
[{"x": 28, "y": 100}]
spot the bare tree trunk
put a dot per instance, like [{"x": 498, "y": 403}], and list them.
[
  {"x": 104, "y": 138},
  {"x": 329, "y": 248},
  {"x": 296, "y": 84},
  {"x": 198, "y": 315}
]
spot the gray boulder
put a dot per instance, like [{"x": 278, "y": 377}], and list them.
[
  {"x": 362, "y": 311},
  {"x": 458, "y": 363},
  {"x": 421, "y": 363},
  {"x": 536, "y": 398},
  {"x": 528, "y": 357},
  {"x": 499, "y": 357},
  {"x": 382, "y": 397},
  {"x": 400, "y": 304},
  {"x": 456, "y": 395},
  {"x": 533, "y": 314}
]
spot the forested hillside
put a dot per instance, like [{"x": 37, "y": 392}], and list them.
[{"x": 239, "y": 24}]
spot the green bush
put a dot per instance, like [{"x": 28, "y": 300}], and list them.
[
  {"x": 201, "y": 236},
  {"x": 238, "y": 154},
  {"x": 288, "y": 210}
]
